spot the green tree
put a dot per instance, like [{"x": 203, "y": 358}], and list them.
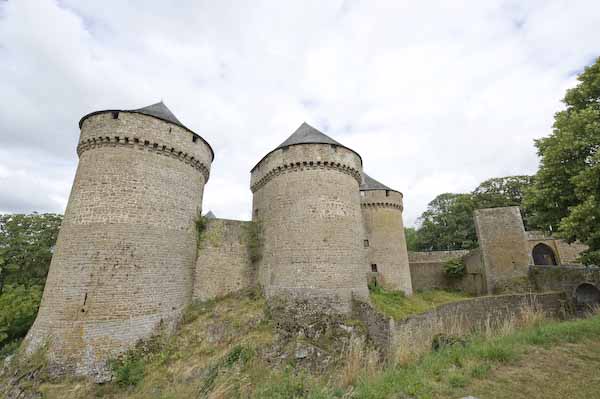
[
  {"x": 26, "y": 245},
  {"x": 411, "y": 238},
  {"x": 501, "y": 191},
  {"x": 447, "y": 224},
  {"x": 565, "y": 196}
]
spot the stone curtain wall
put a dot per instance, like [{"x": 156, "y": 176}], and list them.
[
  {"x": 457, "y": 317},
  {"x": 503, "y": 243},
  {"x": 307, "y": 199},
  {"x": 126, "y": 251},
  {"x": 382, "y": 215},
  {"x": 427, "y": 271},
  {"x": 223, "y": 265}
]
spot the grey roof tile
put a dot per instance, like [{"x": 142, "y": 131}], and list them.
[{"x": 371, "y": 184}]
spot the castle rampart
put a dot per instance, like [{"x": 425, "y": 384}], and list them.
[{"x": 125, "y": 255}]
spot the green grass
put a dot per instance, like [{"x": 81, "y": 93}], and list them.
[
  {"x": 453, "y": 371},
  {"x": 398, "y": 306}
]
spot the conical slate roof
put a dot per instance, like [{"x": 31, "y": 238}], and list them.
[
  {"x": 306, "y": 134},
  {"x": 210, "y": 215},
  {"x": 158, "y": 110},
  {"x": 371, "y": 184}
]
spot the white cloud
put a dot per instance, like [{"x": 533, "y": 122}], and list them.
[{"x": 435, "y": 97}]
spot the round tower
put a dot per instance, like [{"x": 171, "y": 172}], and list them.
[
  {"x": 306, "y": 199},
  {"x": 125, "y": 254},
  {"x": 386, "y": 244}
]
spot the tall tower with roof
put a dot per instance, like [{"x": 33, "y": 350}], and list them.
[
  {"x": 307, "y": 200},
  {"x": 385, "y": 240},
  {"x": 125, "y": 254}
]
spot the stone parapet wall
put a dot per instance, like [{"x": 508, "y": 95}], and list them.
[{"x": 223, "y": 265}]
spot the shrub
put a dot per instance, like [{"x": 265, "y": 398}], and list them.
[
  {"x": 254, "y": 239},
  {"x": 18, "y": 308},
  {"x": 201, "y": 222},
  {"x": 455, "y": 269},
  {"x": 128, "y": 371}
]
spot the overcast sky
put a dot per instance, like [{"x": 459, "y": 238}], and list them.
[{"x": 435, "y": 96}]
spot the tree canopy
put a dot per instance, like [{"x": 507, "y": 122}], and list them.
[
  {"x": 565, "y": 196},
  {"x": 448, "y": 224},
  {"x": 26, "y": 245}
]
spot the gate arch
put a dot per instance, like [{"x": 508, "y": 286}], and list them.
[
  {"x": 543, "y": 255},
  {"x": 587, "y": 294}
]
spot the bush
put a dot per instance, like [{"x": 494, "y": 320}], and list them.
[
  {"x": 18, "y": 308},
  {"x": 455, "y": 269},
  {"x": 128, "y": 371}
]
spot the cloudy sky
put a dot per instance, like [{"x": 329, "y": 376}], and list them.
[{"x": 436, "y": 96}]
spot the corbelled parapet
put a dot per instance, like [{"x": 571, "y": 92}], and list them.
[
  {"x": 385, "y": 240},
  {"x": 123, "y": 264},
  {"x": 306, "y": 199}
]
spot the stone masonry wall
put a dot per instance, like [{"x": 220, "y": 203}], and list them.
[
  {"x": 390, "y": 335},
  {"x": 427, "y": 271},
  {"x": 503, "y": 243},
  {"x": 126, "y": 250},
  {"x": 386, "y": 245},
  {"x": 307, "y": 199},
  {"x": 472, "y": 314},
  {"x": 223, "y": 265}
]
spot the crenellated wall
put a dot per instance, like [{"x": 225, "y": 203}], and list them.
[
  {"x": 223, "y": 265},
  {"x": 125, "y": 255}
]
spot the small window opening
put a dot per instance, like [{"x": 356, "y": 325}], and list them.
[
  {"x": 169, "y": 130},
  {"x": 334, "y": 147},
  {"x": 362, "y": 193},
  {"x": 194, "y": 139},
  {"x": 136, "y": 140},
  {"x": 373, "y": 267},
  {"x": 115, "y": 114},
  {"x": 284, "y": 149},
  {"x": 366, "y": 243},
  {"x": 387, "y": 193},
  {"x": 256, "y": 213}
]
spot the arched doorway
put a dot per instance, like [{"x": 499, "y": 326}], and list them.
[
  {"x": 543, "y": 255},
  {"x": 587, "y": 295}
]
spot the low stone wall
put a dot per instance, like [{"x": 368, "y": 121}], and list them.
[
  {"x": 453, "y": 318},
  {"x": 564, "y": 278},
  {"x": 427, "y": 271},
  {"x": 223, "y": 264}
]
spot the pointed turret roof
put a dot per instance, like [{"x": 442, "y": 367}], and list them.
[
  {"x": 210, "y": 215},
  {"x": 158, "y": 110},
  {"x": 371, "y": 184},
  {"x": 306, "y": 134}
]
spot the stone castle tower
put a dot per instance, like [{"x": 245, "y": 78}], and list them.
[
  {"x": 125, "y": 254},
  {"x": 382, "y": 215},
  {"x": 306, "y": 197}
]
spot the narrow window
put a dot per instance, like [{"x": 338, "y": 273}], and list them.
[
  {"x": 366, "y": 243},
  {"x": 334, "y": 147},
  {"x": 169, "y": 130},
  {"x": 387, "y": 193},
  {"x": 194, "y": 138},
  {"x": 373, "y": 267},
  {"x": 256, "y": 213},
  {"x": 136, "y": 140},
  {"x": 115, "y": 114}
]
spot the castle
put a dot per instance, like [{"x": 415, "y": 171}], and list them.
[{"x": 129, "y": 258}]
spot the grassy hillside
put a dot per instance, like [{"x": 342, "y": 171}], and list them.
[{"x": 230, "y": 349}]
